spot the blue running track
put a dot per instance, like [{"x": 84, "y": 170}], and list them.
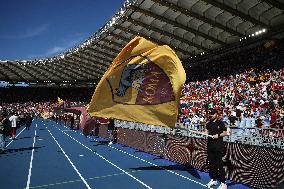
[{"x": 51, "y": 156}]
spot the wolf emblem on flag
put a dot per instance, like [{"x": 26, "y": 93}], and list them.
[{"x": 150, "y": 83}]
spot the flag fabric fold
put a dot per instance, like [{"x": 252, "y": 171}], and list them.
[{"x": 143, "y": 84}]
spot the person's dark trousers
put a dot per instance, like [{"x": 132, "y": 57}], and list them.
[
  {"x": 14, "y": 130},
  {"x": 9, "y": 132},
  {"x": 215, "y": 152},
  {"x": 2, "y": 142},
  {"x": 97, "y": 130},
  {"x": 5, "y": 135},
  {"x": 28, "y": 126},
  {"x": 71, "y": 125}
]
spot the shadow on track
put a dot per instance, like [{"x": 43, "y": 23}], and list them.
[
  {"x": 190, "y": 170},
  {"x": 16, "y": 150}
]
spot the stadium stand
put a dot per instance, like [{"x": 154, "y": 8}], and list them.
[{"x": 193, "y": 29}]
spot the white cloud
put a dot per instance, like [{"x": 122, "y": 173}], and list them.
[
  {"x": 66, "y": 45},
  {"x": 55, "y": 50},
  {"x": 31, "y": 32}
]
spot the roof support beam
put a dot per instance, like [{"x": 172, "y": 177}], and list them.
[
  {"x": 68, "y": 73},
  {"x": 100, "y": 67},
  {"x": 83, "y": 69},
  {"x": 102, "y": 52},
  {"x": 60, "y": 71},
  {"x": 162, "y": 32},
  {"x": 95, "y": 57},
  {"x": 236, "y": 12},
  {"x": 95, "y": 64},
  {"x": 152, "y": 39},
  {"x": 178, "y": 25},
  {"x": 99, "y": 54},
  {"x": 53, "y": 71},
  {"x": 90, "y": 63},
  {"x": 107, "y": 48},
  {"x": 84, "y": 63},
  {"x": 275, "y": 3},
  {"x": 25, "y": 71},
  {"x": 197, "y": 16},
  {"x": 21, "y": 78},
  {"x": 40, "y": 71},
  {"x": 118, "y": 45},
  {"x": 88, "y": 70},
  {"x": 126, "y": 40},
  {"x": 6, "y": 77},
  {"x": 71, "y": 69}
]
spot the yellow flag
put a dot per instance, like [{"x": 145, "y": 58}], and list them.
[
  {"x": 143, "y": 84},
  {"x": 45, "y": 115},
  {"x": 60, "y": 101}
]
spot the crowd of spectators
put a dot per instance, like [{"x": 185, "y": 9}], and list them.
[
  {"x": 245, "y": 87},
  {"x": 15, "y": 115}
]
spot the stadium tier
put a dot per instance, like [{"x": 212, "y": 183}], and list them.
[{"x": 192, "y": 28}]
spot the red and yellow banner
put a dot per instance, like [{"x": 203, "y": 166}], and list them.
[{"x": 143, "y": 84}]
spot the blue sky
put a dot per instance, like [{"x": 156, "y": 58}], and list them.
[{"x": 32, "y": 29}]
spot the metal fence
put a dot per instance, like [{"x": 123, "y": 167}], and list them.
[{"x": 266, "y": 137}]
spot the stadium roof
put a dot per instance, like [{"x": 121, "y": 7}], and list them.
[{"x": 191, "y": 27}]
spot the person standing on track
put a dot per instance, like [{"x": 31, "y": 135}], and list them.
[
  {"x": 6, "y": 123},
  {"x": 2, "y": 130},
  {"x": 110, "y": 130},
  {"x": 13, "y": 120},
  {"x": 216, "y": 130},
  {"x": 29, "y": 120}
]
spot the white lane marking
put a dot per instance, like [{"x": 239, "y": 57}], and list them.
[
  {"x": 153, "y": 164},
  {"x": 74, "y": 167},
  {"x": 31, "y": 163},
  {"x": 15, "y": 137},
  {"x": 107, "y": 161},
  {"x": 81, "y": 155},
  {"x": 157, "y": 166}
]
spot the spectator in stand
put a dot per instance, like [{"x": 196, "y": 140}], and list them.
[{"x": 242, "y": 89}]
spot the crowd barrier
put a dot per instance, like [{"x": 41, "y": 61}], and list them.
[{"x": 248, "y": 160}]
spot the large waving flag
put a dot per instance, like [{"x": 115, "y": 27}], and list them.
[{"x": 143, "y": 84}]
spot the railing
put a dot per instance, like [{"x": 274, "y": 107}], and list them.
[{"x": 272, "y": 138}]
